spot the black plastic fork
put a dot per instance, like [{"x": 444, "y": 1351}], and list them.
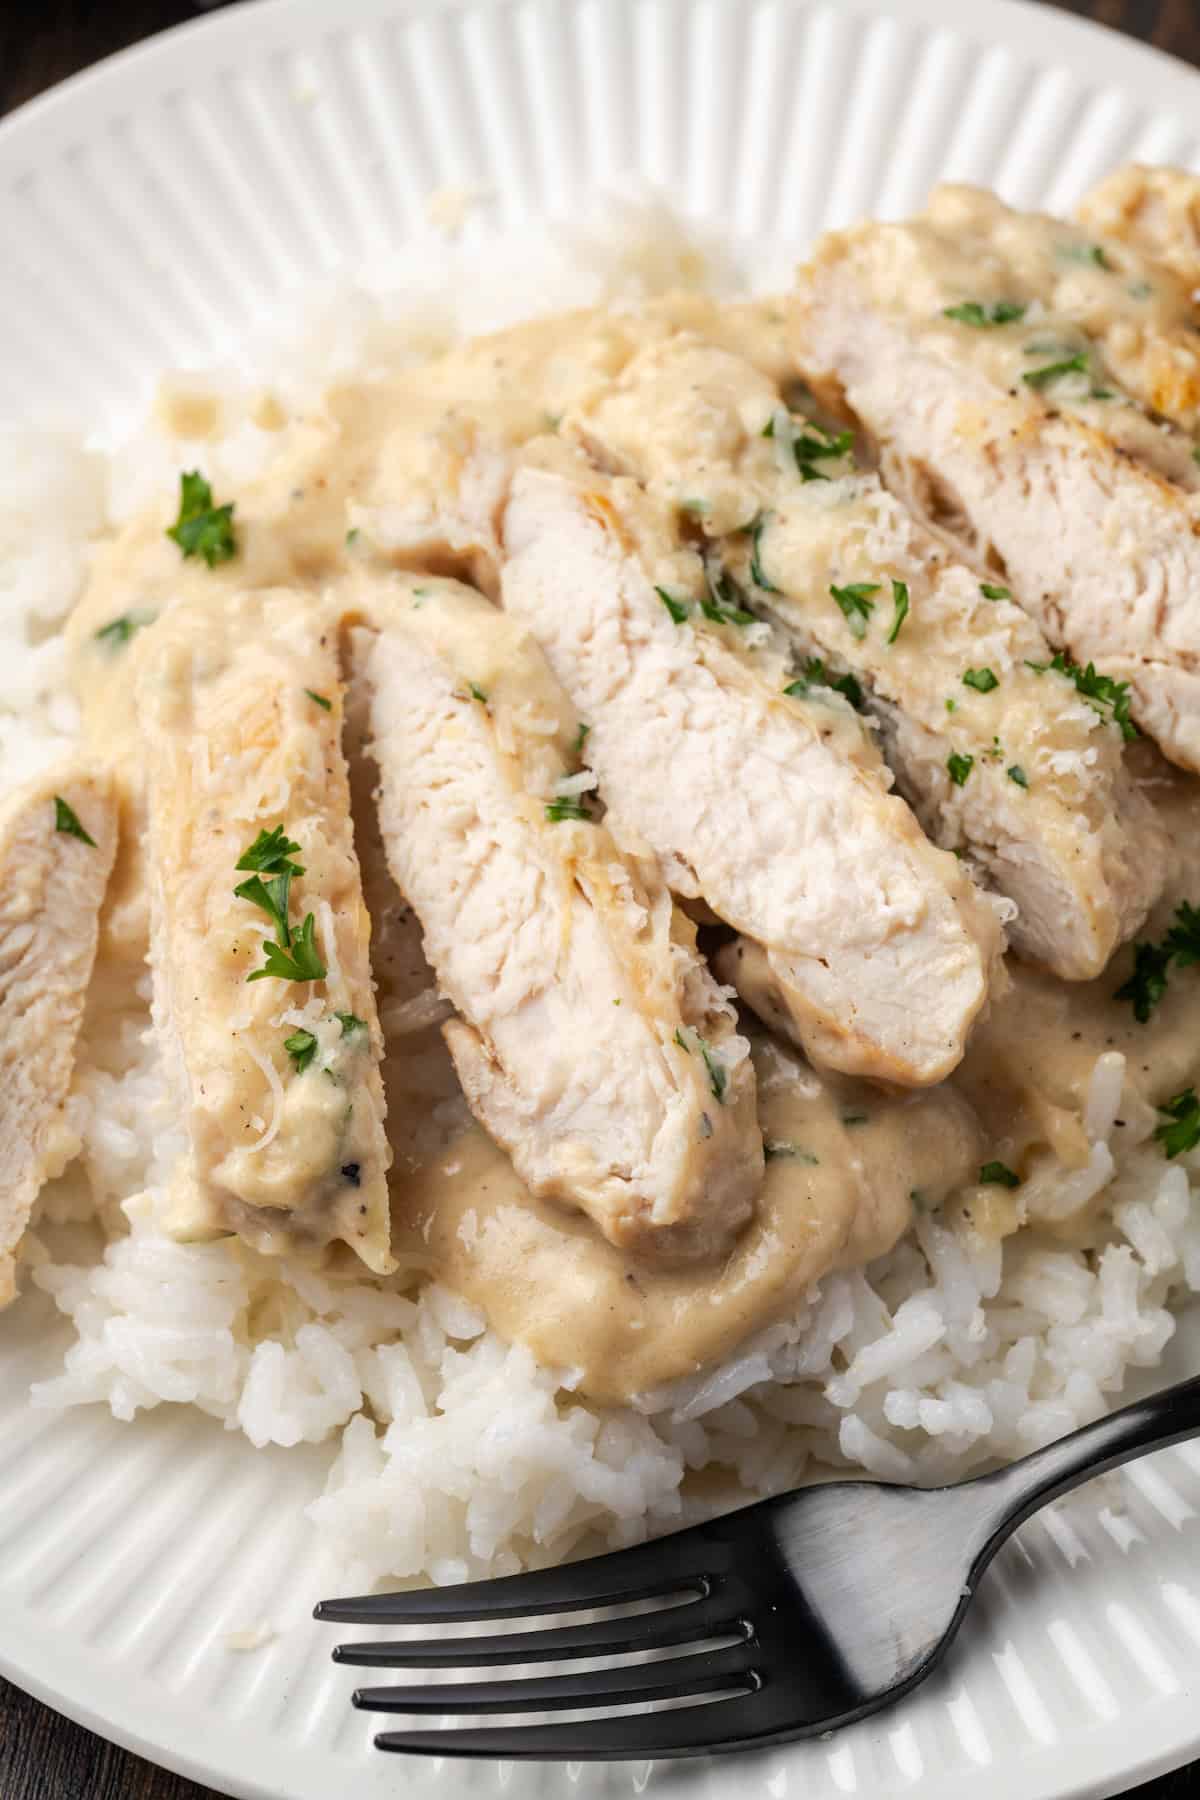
[{"x": 786, "y": 1618}]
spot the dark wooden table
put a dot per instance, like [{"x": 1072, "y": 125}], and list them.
[{"x": 42, "y": 1755}]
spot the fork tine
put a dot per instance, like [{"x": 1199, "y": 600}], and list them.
[
  {"x": 626, "y": 1686},
  {"x": 683, "y": 1731},
  {"x": 686, "y": 1624},
  {"x": 643, "y": 1573}
]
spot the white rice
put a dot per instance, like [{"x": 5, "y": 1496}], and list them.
[{"x": 456, "y": 1455}]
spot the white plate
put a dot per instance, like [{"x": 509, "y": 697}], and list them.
[{"x": 134, "y": 240}]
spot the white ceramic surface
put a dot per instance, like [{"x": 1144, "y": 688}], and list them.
[{"x": 133, "y": 239}]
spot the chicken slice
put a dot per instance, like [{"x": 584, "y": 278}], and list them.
[
  {"x": 277, "y": 1079},
  {"x": 1156, "y": 211},
  {"x": 591, "y": 1041},
  {"x": 1132, "y": 320},
  {"x": 58, "y": 838},
  {"x": 773, "y": 810},
  {"x": 1036, "y": 480},
  {"x": 993, "y": 755}
]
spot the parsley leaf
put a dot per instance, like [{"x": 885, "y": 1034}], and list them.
[
  {"x": 269, "y": 853},
  {"x": 350, "y": 1023},
  {"x": 1016, "y": 773},
  {"x": 1183, "y": 939},
  {"x": 994, "y": 593},
  {"x": 960, "y": 767},
  {"x": 299, "y": 962},
  {"x": 775, "y": 1149},
  {"x": 1180, "y": 1130},
  {"x": 1052, "y": 372},
  {"x": 757, "y": 575},
  {"x": 1099, "y": 690},
  {"x": 272, "y": 896},
  {"x": 856, "y": 605},
  {"x": 718, "y": 1078},
  {"x": 1148, "y": 983},
  {"x": 320, "y": 700},
  {"x": 721, "y": 606},
  {"x": 67, "y": 820},
  {"x": 973, "y": 312},
  {"x": 301, "y": 1047},
  {"x": 900, "y": 598},
  {"x": 477, "y": 693},
  {"x": 581, "y": 739},
  {"x": 1084, "y": 253},
  {"x": 203, "y": 529},
  {"x": 982, "y": 680},
  {"x": 117, "y": 633},
  {"x": 998, "y": 1174},
  {"x": 676, "y": 608},
  {"x": 812, "y": 446},
  {"x": 558, "y": 810},
  {"x": 815, "y": 675}
]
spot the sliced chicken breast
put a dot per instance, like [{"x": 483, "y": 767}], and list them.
[
  {"x": 260, "y": 939},
  {"x": 1023, "y": 476},
  {"x": 591, "y": 1041},
  {"x": 773, "y": 810},
  {"x": 995, "y": 750},
  {"x": 58, "y": 838},
  {"x": 1156, "y": 211}
]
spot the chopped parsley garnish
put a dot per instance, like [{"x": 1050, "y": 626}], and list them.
[
  {"x": 352, "y": 536},
  {"x": 718, "y": 1079},
  {"x": 320, "y": 700},
  {"x": 117, "y": 633},
  {"x": 1180, "y": 1130},
  {"x": 269, "y": 853},
  {"x": 721, "y": 605},
  {"x": 975, "y": 312},
  {"x": 67, "y": 820},
  {"x": 812, "y": 446},
  {"x": 301, "y": 961},
  {"x": 960, "y": 767},
  {"x": 203, "y": 529},
  {"x": 998, "y": 1174},
  {"x": 477, "y": 693},
  {"x": 292, "y": 956},
  {"x": 982, "y": 680},
  {"x": 350, "y": 1023},
  {"x": 581, "y": 739},
  {"x": 1098, "y": 690},
  {"x": 781, "y": 1149},
  {"x": 272, "y": 896},
  {"x": 1196, "y": 454},
  {"x": 951, "y": 706},
  {"x": 1183, "y": 939},
  {"x": 815, "y": 675},
  {"x": 1055, "y": 371},
  {"x": 994, "y": 593},
  {"x": 1016, "y": 773},
  {"x": 301, "y": 1047},
  {"x": 558, "y": 810},
  {"x": 900, "y": 598},
  {"x": 757, "y": 575},
  {"x": 856, "y": 604},
  {"x": 1084, "y": 253},
  {"x": 1151, "y": 962},
  {"x": 676, "y": 608}
]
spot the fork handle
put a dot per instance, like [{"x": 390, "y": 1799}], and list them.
[{"x": 1153, "y": 1424}]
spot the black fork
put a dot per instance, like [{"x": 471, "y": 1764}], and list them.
[{"x": 789, "y": 1617}]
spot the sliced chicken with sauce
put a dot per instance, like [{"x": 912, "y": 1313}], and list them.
[
  {"x": 995, "y": 751},
  {"x": 773, "y": 810},
  {"x": 591, "y": 1041},
  {"x": 58, "y": 838},
  {"x": 1154, "y": 211},
  {"x": 1024, "y": 454},
  {"x": 276, "y": 1077}
]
